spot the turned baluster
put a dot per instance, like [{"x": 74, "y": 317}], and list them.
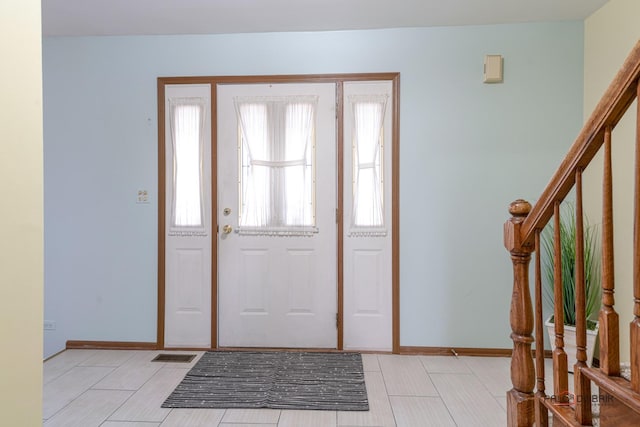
[
  {"x": 560, "y": 372},
  {"x": 609, "y": 322},
  {"x": 520, "y": 399},
  {"x": 635, "y": 324},
  {"x": 542, "y": 414},
  {"x": 582, "y": 385}
]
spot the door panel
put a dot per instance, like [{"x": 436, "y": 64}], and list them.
[
  {"x": 368, "y": 266},
  {"x": 277, "y": 290},
  {"x": 188, "y": 217}
]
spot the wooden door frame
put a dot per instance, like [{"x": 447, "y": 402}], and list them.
[{"x": 338, "y": 80}]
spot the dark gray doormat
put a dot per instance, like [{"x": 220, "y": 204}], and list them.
[{"x": 278, "y": 380}]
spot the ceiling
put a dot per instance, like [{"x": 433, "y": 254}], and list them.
[{"x": 137, "y": 17}]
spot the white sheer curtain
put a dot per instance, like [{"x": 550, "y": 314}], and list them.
[
  {"x": 187, "y": 125},
  {"x": 277, "y": 182},
  {"x": 368, "y": 195}
]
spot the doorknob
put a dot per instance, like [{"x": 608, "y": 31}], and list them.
[{"x": 227, "y": 229}]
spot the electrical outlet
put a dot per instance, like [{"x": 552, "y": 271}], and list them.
[
  {"x": 49, "y": 325},
  {"x": 143, "y": 197}
]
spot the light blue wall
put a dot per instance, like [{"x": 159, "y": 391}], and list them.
[{"x": 467, "y": 150}]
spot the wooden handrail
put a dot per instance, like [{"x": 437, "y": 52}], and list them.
[
  {"x": 614, "y": 103},
  {"x": 522, "y": 237}
]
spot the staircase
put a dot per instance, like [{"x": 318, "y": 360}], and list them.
[{"x": 617, "y": 399}]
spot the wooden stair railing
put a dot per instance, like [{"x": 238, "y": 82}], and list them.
[{"x": 522, "y": 238}]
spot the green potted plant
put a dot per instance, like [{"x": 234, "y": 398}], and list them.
[{"x": 568, "y": 261}]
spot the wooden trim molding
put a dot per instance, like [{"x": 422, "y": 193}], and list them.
[
  {"x": 340, "y": 211},
  {"x": 462, "y": 351},
  {"x": 456, "y": 351},
  {"x": 395, "y": 215},
  {"x": 161, "y": 213},
  {"x": 338, "y": 79},
  {"x": 214, "y": 217},
  {"x": 405, "y": 350},
  {"x": 54, "y": 355},
  {"x": 111, "y": 345}
]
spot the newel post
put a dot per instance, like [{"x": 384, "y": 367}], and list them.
[{"x": 520, "y": 399}]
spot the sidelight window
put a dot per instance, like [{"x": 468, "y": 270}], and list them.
[
  {"x": 187, "y": 124},
  {"x": 367, "y": 154}
]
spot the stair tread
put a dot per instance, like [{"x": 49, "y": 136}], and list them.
[
  {"x": 617, "y": 387},
  {"x": 564, "y": 412}
]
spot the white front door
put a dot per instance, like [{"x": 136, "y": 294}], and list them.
[{"x": 277, "y": 245}]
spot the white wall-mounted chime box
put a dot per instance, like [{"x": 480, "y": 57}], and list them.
[{"x": 493, "y": 69}]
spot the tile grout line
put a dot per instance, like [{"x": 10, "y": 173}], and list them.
[
  {"x": 222, "y": 417},
  {"x": 438, "y": 391},
  {"x": 473, "y": 372},
  {"x": 78, "y": 396},
  {"x": 134, "y": 393},
  {"x": 430, "y": 379},
  {"x": 76, "y": 364},
  {"x": 54, "y": 379},
  {"x": 395, "y": 421},
  {"x": 108, "y": 366},
  {"x": 145, "y": 383},
  {"x": 483, "y": 384}
]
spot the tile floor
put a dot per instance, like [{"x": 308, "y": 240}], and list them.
[{"x": 113, "y": 388}]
